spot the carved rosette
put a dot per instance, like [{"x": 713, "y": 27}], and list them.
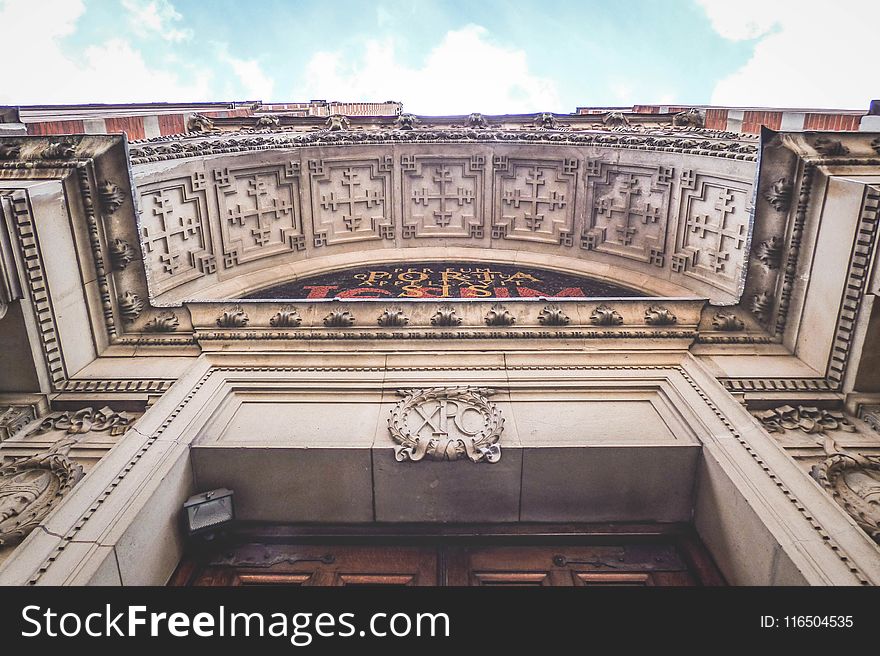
[
  {"x": 854, "y": 482},
  {"x": 29, "y": 489},
  {"x": 446, "y": 423}
]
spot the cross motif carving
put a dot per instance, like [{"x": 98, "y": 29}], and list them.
[
  {"x": 171, "y": 225},
  {"x": 628, "y": 210},
  {"x": 263, "y": 212},
  {"x": 350, "y": 211},
  {"x": 533, "y": 199},
  {"x": 703, "y": 225},
  {"x": 444, "y": 197}
]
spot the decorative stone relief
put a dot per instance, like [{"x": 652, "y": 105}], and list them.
[
  {"x": 10, "y": 150},
  {"x": 268, "y": 121},
  {"x": 535, "y": 200},
  {"x": 809, "y": 419},
  {"x": 691, "y": 118},
  {"x": 174, "y": 232},
  {"x": 442, "y": 197},
  {"x": 657, "y": 315},
  {"x": 446, "y": 423},
  {"x": 260, "y": 214},
  {"x": 233, "y": 318},
  {"x": 286, "y": 318},
  {"x": 393, "y": 317},
  {"x": 477, "y": 121},
  {"x": 629, "y": 211},
  {"x": 727, "y": 322},
  {"x": 779, "y": 195},
  {"x": 350, "y": 200},
  {"x": 606, "y": 316},
  {"x": 445, "y": 316},
  {"x": 121, "y": 253},
  {"x": 546, "y": 121},
  {"x": 406, "y": 122},
  {"x": 84, "y": 421},
  {"x": 336, "y": 122},
  {"x": 830, "y": 147},
  {"x": 870, "y": 414},
  {"x": 112, "y": 197},
  {"x": 499, "y": 316},
  {"x": 615, "y": 120},
  {"x": 30, "y": 488},
  {"x": 62, "y": 149},
  {"x": 760, "y": 306},
  {"x": 552, "y": 315},
  {"x": 339, "y": 319},
  {"x": 199, "y": 123},
  {"x": 130, "y": 306},
  {"x": 13, "y": 418},
  {"x": 166, "y": 322},
  {"x": 713, "y": 228},
  {"x": 769, "y": 253},
  {"x": 853, "y": 480}
]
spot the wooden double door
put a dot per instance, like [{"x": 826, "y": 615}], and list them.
[{"x": 543, "y": 562}]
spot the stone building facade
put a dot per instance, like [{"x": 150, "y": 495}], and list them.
[{"x": 622, "y": 326}]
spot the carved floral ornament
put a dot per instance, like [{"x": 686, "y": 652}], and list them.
[{"x": 446, "y": 423}]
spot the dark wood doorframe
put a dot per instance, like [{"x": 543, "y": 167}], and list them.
[{"x": 463, "y": 554}]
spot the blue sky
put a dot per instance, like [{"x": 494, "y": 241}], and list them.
[{"x": 445, "y": 57}]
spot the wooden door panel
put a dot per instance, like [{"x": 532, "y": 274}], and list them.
[
  {"x": 458, "y": 564},
  {"x": 320, "y": 565}
]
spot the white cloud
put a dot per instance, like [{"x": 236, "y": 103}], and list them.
[
  {"x": 808, "y": 54},
  {"x": 464, "y": 73},
  {"x": 253, "y": 82},
  {"x": 155, "y": 18},
  {"x": 109, "y": 72}
]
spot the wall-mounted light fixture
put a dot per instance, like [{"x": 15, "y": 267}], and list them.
[{"x": 209, "y": 511}]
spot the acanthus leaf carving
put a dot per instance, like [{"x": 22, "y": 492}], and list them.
[
  {"x": 62, "y": 149},
  {"x": 286, "y": 318},
  {"x": 165, "y": 322},
  {"x": 727, "y": 322},
  {"x": 393, "y": 317},
  {"x": 130, "y": 306},
  {"x": 657, "y": 315},
  {"x": 406, "y": 122},
  {"x": 121, "y": 253},
  {"x": 779, "y": 195},
  {"x": 445, "y": 316},
  {"x": 498, "y": 315},
  {"x": 337, "y": 122},
  {"x": 552, "y": 315},
  {"x": 605, "y": 315},
  {"x": 769, "y": 253},
  {"x": 690, "y": 118},
  {"x": 233, "y": 318},
  {"x": 112, "y": 197},
  {"x": 199, "y": 123},
  {"x": 442, "y": 428},
  {"x": 340, "y": 318}
]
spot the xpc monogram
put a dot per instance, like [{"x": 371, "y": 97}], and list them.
[{"x": 447, "y": 423}]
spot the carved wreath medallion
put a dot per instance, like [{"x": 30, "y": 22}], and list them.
[
  {"x": 447, "y": 423},
  {"x": 29, "y": 489},
  {"x": 854, "y": 482}
]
